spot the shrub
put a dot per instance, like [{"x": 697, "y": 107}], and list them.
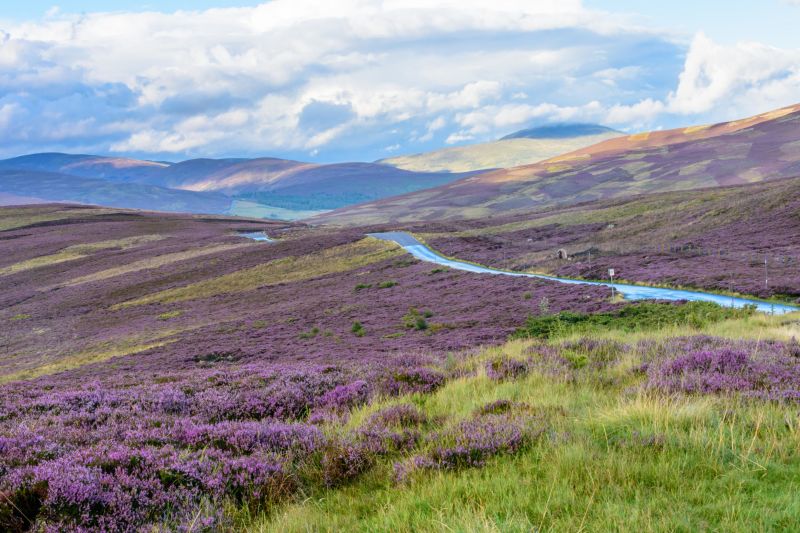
[
  {"x": 342, "y": 461},
  {"x": 357, "y": 329},
  {"x": 472, "y": 442},
  {"x": 502, "y": 368},
  {"x": 766, "y": 370},
  {"x": 633, "y": 317},
  {"x": 310, "y": 334},
  {"x": 419, "y": 379},
  {"x": 362, "y": 286},
  {"x": 387, "y": 284},
  {"x": 345, "y": 397},
  {"x": 496, "y": 407},
  {"x": 414, "y": 319},
  {"x": 398, "y": 415}
]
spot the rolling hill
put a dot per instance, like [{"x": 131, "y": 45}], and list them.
[
  {"x": 520, "y": 148},
  {"x": 266, "y": 186},
  {"x": 758, "y": 148},
  {"x": 53, "y": 186},
  {"x": 86, "y": 166}
]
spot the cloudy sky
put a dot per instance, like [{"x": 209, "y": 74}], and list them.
[{"x": 366, "y": 79}]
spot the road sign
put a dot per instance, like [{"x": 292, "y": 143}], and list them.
[{"x": 610, "y": 272}]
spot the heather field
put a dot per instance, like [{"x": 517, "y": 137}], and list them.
[
  {"x": 163, "y": 372},
  {"x": 714, "y": 239}
]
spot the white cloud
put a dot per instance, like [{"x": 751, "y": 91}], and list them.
[
  {"x": 292, "y": 77},
  {"x": 746, "y": 76}
]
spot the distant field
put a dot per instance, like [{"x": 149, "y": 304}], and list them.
[{"x": 244, "y": 208}]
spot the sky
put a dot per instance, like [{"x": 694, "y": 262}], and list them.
[{"x": 368, "y": 79}]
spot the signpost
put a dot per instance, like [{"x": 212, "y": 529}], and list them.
[{"x": 611, "y": 275}]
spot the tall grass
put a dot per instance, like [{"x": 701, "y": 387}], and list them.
[{"x": 615, "y": 457}]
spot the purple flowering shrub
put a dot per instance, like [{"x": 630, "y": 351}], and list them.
[
  {"x": 392, "y": 429},
  {"x": 143, "y": 450},
  {"x": 345, "y": 397},
  {"x": 419, "y": 379},
  {"x": 502, "y": 368},
  {"x": 706, "y": 365},
  {"x": 472, "y": 442}
]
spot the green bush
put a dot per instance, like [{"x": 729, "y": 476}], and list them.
[
  {"x": 415, "y": 319},
  {"x": 387, "y": 284},
  {"x": 310, "y": 334},
  {"x": 634, "y": 317},
  {"x": 357, "y": 329}
]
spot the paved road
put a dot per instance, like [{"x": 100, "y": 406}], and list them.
[
  {"x": 256, "y": 236},
  {"x": 630, "y": 292}
]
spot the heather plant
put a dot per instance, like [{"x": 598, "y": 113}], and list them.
[
  {"x": 471, "y": 442},
  {"x": 420, "y": 379},
  {"x": 502, "y": 368},
  {"x": 766, "y": 370},
  {"x": 345, "y": 397}
]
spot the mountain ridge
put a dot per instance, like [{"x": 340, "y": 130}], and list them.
[{"x": 765, "y": 146}]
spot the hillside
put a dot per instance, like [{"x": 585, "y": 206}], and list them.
[
  {"x": 264, "y": 186},
  {"x": 714, "y": 239},
  {"x": 520, "y": 148},
  {"x": 52, "y": 186},
  {"x": 302, "y": 186},
  {"x": 759, "y": 148},
  {"x": 86, "y": 166},
  {"x": 159, "y": 362}
]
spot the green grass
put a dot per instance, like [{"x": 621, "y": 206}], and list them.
[
  {"x": 641, "y": 316},
  {"x": 245, "y": 208},
  {"x": 170, "y": 315},
  {"x": 77, "y": 251},
  {"x": 285, "y": 270},
  {"x": 613, "y": 458}
]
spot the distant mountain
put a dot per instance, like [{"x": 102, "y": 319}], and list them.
[
  {"x": 304, "y": 186},
  {"x": 13, "y": 199},
  {"x": 759, "y": 148},
  {"x": 520, "y": 148},
  {"x": 562, "y": 131},
  {"x": 257, "y": 187},
  {"x": 53, "y": 186},
  {"x": 86, "y": 166}
]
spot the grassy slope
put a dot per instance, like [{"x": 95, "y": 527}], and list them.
[
  {"x": 498, "y": 154},
  {"x": 746, "y": 151},
  {"x": 718, "y": 464},
  {"x": 68, "y": 188},
  {"x": 129, "y": 281},
  {"x": 672, "y": 238}
]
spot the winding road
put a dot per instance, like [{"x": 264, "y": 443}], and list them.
[
  {"x": 631, "y": 292},
  {"x": 259, "y": 236}
]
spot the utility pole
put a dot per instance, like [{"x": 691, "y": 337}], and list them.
[{"x": 766, "y": 274}]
